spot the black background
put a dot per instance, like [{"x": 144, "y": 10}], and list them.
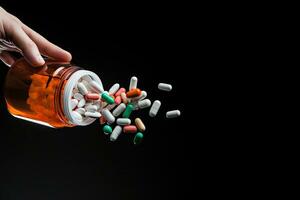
[{"x": 115, "y": 42}]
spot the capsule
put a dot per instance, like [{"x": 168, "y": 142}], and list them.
[
  {"x": 115, "y": 134},
  {"x": 118, "y": 93},
  {"x": 119, "y": 109},
  {"x": 91, "y": 108},
  {"x": 124, "y": 98},
  {"x": 128, "y": 110},
  {"x": 144, "y": 104},
  {"x": 80, "y": 111},
  {"x": 96, "y": 87},
  {"x": 139, "y": 124},
  {"x": 123, "y": 121},
  {"x": 173, "y": 114},
  {"x": 78, "y": 96},
  {"x": 108, "y": 116},
  {"x": 82, "y": 89},
  {"x": 165, "y": 87},
  {"x": 73, "y": 103},
  {"x": 154, "y": 108},
  {"x": 129, "y": 129},
  {"x": 133, "y": 83},
  {"x": 133, "y": 93},
  {"x": 138, "y": 138},
  {"x": 92, "y": 96},
  {"x": 81, "y": 103},
  {"x": 92, "y": 114},
  {"x": 114, "y": 89},
  {"x": 105, "y": 96},
  {"x": 77, "y": 115},
  {"x": 107, "y": 129},
  {"x": 111, "y": 106},
  {"x": 118, "y": 100}
]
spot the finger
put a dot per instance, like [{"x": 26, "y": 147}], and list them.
[
  {"x": 47, "y": 48},
  {"x": 7, "y": 58},
  {"x": 28, "y": 47}
]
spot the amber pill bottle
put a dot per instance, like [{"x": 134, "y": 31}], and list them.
[{"x": 42, "y": 94}]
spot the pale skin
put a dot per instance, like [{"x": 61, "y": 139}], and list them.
[{"x": 32, "y": 44}]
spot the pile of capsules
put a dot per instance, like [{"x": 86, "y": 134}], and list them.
[{"x": 90, "y": 100}]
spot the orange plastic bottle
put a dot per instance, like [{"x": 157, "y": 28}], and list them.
[{"x": 42, "y": 94}]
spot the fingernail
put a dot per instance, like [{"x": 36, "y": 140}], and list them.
[{"x": 40, "y": 59}]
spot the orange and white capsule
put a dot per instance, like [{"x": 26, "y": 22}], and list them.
[
  {"x": 92, "y": 96},
  {"x": 133, "y": 93},
  {"x": 129, "y": 129}
]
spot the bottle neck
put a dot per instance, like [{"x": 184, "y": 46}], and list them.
[{"x": 70, "y": 77}]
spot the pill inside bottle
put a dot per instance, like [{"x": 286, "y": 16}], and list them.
[{"x": 43, "y": 94}]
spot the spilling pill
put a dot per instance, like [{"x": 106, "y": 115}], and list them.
[
  {"x": 96, "y": 87},
  {"x": 116, "y": 132},
  {"x": 73, "y": 103},
  {"x": 173, "y": 114},
  {"x": 165, "y": 87},
  {"x": 129, "y": 129},
  {"x": 121, "y": 90},
  {"x": 139, "y": 124},
  {"x": 77, "y": 115},
  {"x": 118, "y": 111},
  {"x": 92, "y": 96},
  {"x": 124, "y": 98},
  {"x": 123, "y": 121},
  {"x": 154, "y": 108},
  {"x": 133, "y": 93},
  {"x": 128, "y": 110},
  {"x": 118, "y": 100},
  {"x": 141, "y": 97},
  {"x": 107, "y": 129},
  {"x": 81, "y": 103},
  {"x": 105, "y": 96},
  {"x": 108, "y": 116},
  {"x": 78, "y": 96},
  {"x": 138, "y": 138},
  {"x": 92, "y": 114},
  {"x": 133, "y": 83},
  {"x": 82, "y": 89},
  {"x": 144, "y": 103},
  {"x": 114, "y": 89}
]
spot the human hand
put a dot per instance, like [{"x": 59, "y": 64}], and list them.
[{"x": 28, "y": 41}]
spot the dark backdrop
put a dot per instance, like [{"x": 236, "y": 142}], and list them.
[{"x": 115, "y": 42}]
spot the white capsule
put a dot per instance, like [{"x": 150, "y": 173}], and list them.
[
  {"x": 77, "y": 115},
  {"x": 80, "y": 111},
  {"x": 78, "y": 96},
  {"x": 154, "y": 108},
  {"x": 173, "y": 114},
  {"x": 144, "y": 103},
  {"x": 92, "y": 114},
  {"x": 82, "y": 89},
  {"x": 116, "y": 132},
  {"x": 87, "y": 78},
  {"x": 73, "y": 103},
  {"x": 123, "y": 121},
  {"x": 133, "y": 83},
  {"x": 91, "y": 108},
  {"x": 118, "y": 111},
  {"x": 141, "y": 97},
  {"x": 165, "y": 87},
  {"x": 108, "y": 116},
  {"x": 97, "y": 87},
  {"x": 81, "y": 103},
  {"x": 114, "y": 89}
]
